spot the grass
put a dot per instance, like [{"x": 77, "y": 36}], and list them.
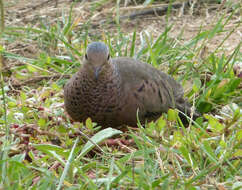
[{"x": 42, "y": 149}]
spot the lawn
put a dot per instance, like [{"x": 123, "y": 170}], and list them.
[{"x": 41, "y": 46}]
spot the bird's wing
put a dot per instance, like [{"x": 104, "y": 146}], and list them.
[{"x": 153, "y": 90}]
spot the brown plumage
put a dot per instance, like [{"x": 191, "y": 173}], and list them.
[{"x": 111, "y": 90}]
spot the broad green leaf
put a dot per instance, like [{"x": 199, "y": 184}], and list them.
[
  {"x": 214, "y": 124},
  {"x": 204, "y": 107},
  {"x": 18, "y": 158},
  {"x": 172, "y": 115},
  {"x": 41, "y": 122},
  {"x": 161, "y": 123},
  {"x": 97, "y": 138},
  {"x": 12, "y": 104},
  {"x": 57, "y": 157}
]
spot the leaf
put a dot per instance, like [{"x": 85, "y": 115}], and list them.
[
  {"x": 202, "y": 174},
  {"x": 48, "y": 149},
  {"x": 184, "y": 151},
  {"x": 216, "y": 29},
  {"x": 220, "y": 89},
  {"x": 172, "y": 115},
  {"x": 209, "y": 151},
  {"x": 237, "y": 185},
  {"x": 12, "y": 104},
  {"x": 148, "y": 2},
  {"x": 31, "y": 68},
  {"x": 89, "y": 124},
  {"x": 41, "y": 122},
  {"x": 1, "y": 48},
  {"x": 133, "y": 44},
  {"x": 159, "y": 181},
  {"x": 18, "y": 158},
  {"x": 239, "y": 135},
  {"x": 161, "y": 123},
  {"x": 67, "y": 165},
  {"x": 214, "y": 124},
  {"x": 196, "y": 85},
  {"x": 57, "y": 157},
  {"x": 54, "y": 86},
  {"x": 151, "y": 127},
  {"x": 238, "y": 153},
  {"x": 233, "y": 84},
  {"x": 23, "y": 96},
  {"x": 97, "y": 138},
  {"x": 204, "y": 107},
  {"x": 110, "y": 174}
]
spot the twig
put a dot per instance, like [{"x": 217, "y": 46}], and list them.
[
  {"x": 39, "y": 78},
  {"x": 95, "y": 144},
  {"x": 21, "y": 131},
  {"x": 36, "y": 6},
  {"x": 41, "y": 132},
  {"x": 152, "y": 11}
]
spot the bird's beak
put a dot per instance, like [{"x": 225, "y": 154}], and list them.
[{"x": 97, "y": 71}]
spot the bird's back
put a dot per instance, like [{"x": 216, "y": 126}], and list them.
[{"x": 154, "y": 91}]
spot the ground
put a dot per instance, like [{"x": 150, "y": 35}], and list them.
[
  {"x": 42, "y": 46},
  {"x": 30, "y": 12}
]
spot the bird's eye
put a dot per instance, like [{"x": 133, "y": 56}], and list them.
[
  {"x": 108, "y": 57},
  {"x": 86, "y": 57}
]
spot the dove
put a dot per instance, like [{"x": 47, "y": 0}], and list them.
[{"x": 114, "y": 91}]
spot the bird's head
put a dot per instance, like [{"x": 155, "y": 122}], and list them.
[{"x": 96, "y": 58}]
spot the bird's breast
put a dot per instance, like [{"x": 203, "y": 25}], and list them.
[{"x": 101, "y": 97}]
